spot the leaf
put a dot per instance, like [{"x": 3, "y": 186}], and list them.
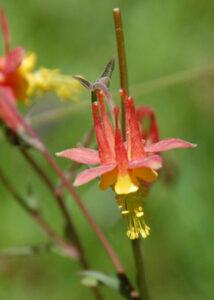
[
  {"x": 109, "y": 68},
  {"x": 110, "y": 280},
  {"x": 89, "y": 281},
  {"x": 84, "y": 82},
  {"x": 93, "y": 278}
]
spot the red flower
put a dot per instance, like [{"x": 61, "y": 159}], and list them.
[
  {"x": 12, "y": 84},
  {"x": 19, "y": 81},
  {"x": 10, "y": 75},
  {"x": 122, "y": 165}
]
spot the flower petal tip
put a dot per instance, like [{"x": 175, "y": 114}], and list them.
[
  {"x": 81, "y": 155},
  {"x": 168, "y": 144},
  {"x": 76, "y": 184},
  {"x": 59, "y": 153}
]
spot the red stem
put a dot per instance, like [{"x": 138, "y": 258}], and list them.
[
  {"x": 69, "y": 248},
  {"x": 71, "y": 189},
  {"x": 122, "y": 61}
]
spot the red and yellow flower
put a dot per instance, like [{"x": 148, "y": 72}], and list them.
[
  {"x": 125, "y": 166},
  {"x": 18, "y": 80}
]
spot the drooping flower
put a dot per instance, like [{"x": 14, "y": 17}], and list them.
[
  {"x": 18, "y": 80},
  {"x": 125, "y": 166}
]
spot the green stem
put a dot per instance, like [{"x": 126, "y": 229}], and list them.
[
  {"x": 137, "y": 247},
  {"x": 136, "y": 244}
]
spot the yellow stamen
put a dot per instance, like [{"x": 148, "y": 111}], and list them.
[
  {"x": 133, "y": 213},
  {"x": 46, "y": 80},
  {"x": 28, "y": 62}
]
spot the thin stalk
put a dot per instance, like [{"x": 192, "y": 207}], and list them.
[
  {"x": 60, "y": 202},
  {"x": 122, "y": 60},
  {"x": 88, "y": 216},
  {"x": 136, "y": 245},
  {"x": 35, "y": 142},
  {"x": 41, "y": 147},
  {"x": 121, "y": 49},
  {"x": 63, "y": 208},
  {"x": 69, "y": 248}
]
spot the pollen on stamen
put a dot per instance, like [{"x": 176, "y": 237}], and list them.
[{"x": 133, "y": 212}]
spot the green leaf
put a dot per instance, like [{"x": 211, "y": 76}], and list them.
[
  {"x": 90, "y": 281},
  {"x": 114, "y": 281}
]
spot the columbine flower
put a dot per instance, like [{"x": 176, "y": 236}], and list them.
[
  {"x": 125, "y": 166},
  {"x": 18, "y": 81}
]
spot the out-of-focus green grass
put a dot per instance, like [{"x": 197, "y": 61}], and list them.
[{"x": 162, "y": 37}]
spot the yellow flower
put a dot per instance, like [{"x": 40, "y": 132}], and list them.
[
  {"x": 17, "y": 73},
  {"x": 45, "y": 80}
]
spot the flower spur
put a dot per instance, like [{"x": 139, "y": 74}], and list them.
[
  {"x": 127, "y": 166},
  {"x": 122, "y": 165}
]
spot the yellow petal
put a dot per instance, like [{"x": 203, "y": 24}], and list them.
[
  {"x": 124, "y": 185},
  {"x": 108, "y": 179},
  {"x": 146, "y": 174}
]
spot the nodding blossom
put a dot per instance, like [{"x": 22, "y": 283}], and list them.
[{"x": 126, "y": 166}]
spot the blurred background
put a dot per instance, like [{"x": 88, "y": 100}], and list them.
[{"x": 170, "y": 55}]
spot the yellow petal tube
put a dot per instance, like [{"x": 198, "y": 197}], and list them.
[
  {"x": 107, "y": 179},
  {"x": 125, "y": 185},
  {"x": 146, "y": 174}
]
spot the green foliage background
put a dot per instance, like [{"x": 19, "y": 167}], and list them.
[{"x": 162, "y": 38}]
